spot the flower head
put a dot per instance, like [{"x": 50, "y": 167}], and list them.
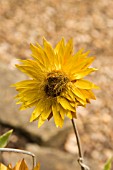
[{"x": 57, "y": 85}]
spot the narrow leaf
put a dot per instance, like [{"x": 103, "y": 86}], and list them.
[
  {"x": 107, "y": 165},
  {"x": 4, "y": 138}
]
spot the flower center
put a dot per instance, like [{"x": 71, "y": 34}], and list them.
[{"x": 56, "y": 82}]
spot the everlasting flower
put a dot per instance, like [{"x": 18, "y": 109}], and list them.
[{"x": 57, "y": 85}]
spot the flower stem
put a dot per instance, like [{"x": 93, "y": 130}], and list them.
[{"x": 80, "y": 160}]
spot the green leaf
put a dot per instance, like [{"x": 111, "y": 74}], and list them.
[
  {"x": 107, "y": 165},
  {"x": 4, "y": 138}
]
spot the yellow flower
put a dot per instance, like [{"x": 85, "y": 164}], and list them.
[
  {"x": 21, "y": 165},
  {"x": 56, "y": 86}
]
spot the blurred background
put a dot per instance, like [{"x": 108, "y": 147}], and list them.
[{"x": 90, "y": 23}]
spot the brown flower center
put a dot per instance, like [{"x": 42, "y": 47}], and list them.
[{"x": 56, "y": 83}]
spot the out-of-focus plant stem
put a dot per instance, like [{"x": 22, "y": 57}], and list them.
[{"x": 80, "y": 160}]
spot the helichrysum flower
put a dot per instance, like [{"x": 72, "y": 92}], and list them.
[{"x": 57, "y": 85}]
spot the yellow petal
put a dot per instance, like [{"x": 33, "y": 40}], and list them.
[
  {"x": 83, "y": 73},
  {"x": 65, "y": 103},
  {"x": 28, "y": 70},
  {"x": 57, "y": 117},
  {"x": 78, "y": 93},
  {"x": 71, "y": 94},
  {"x": 59, "y": 50},
  {"x": 34, "y": 115},
  {"x": 3, "y": 167},
  {"x": 45, "y": 113},
  {"x": 37, "y": 111},
  {"x": 61, "y": 110},
  {"x": 40, "y": 121},
  {"x": 38, "y": 54},
  {"x": 69, "y": 115},
  {"x": 66, "y": 95},
  {"x": 88, "y": 62},
  {"x": 37, "y": 167},
  {"x": 26, "y": 84},
  {"x": 49, "y": 53},
  {"x": 81, "y": 65},
  {"x": 23, "y": 166},
  {"x": 32, "y": 72},
  {"x": 80, "y": 102},
  {"x": 68, "y": 51},
  {"x": 75, "y": 60},
  {"x": 84, "y": 84},
  {"x": 17, "y": 166},
  {"x": 88, "y": 94},
  {"x": 80, "y": 55}
]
